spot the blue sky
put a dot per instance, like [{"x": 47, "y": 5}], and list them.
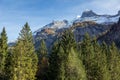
[{"x": 15, "y": 13}]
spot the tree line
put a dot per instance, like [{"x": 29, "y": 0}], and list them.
[{"x": 67, "y": 60}]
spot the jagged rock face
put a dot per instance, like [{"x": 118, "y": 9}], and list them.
[
  {"x": 49, "y": 33},
  {"x": 57, "y": 24},
  {"x": 53, "y": 26},
  {"x": 48, "y": 36},
  {"x": 113, "y": 35},
  {"x": 100, "y": 19},
  {"x": 89, "y": 13},
  {"x": 118, "y": 12},
  {"x": 93, "y": 29},
  {"x": 79, "y": 30},
  {"x": 90, "y": 22},
  {"x": 82, "y": 24}
]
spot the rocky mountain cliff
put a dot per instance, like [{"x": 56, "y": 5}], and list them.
[
  {"x": 89, "y": 15},
  {"x": 90, "y": 22},
  {"x": 113, "y": 35}
]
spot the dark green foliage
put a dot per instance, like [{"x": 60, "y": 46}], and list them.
[
  {"x": 53, "y": 62},
  {"x": 94, "y": 60},
  {"x": 74, "y": 69},
  {"x": 3, "y": 52},
  {"x": 43, "y": 61},
  {"x": 9, "y": 65},
  {"x": 4, "y": 39},
  {"x": 114, "y": 62},
  {"x": 42, "y": 50},
  {"x": 67, "y": 41},
  {"x": 86, "y": 48},
  {"x": 87, "y": 55},
  {"x": 64, "y": 61},
  {"x": 61, "y": 58},
  {"x": 100, "y": 60}
]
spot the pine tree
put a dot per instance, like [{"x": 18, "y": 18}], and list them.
[
  {"x": 57, "y": 62},
  {"x": 87, "y": 55},
  {"x": 24, "y": 57},
  {"x": 9, "y": 65},
  {"x": 100, "y": 60},
  {"x": 114, "y": 62},
  {"x": 105, "y": 49},
  {"x": 67, "y": 40},
  {"x": 43, "y": 61},
  {"x": 61, "y": 64},
  {"x": 3, "y": 52},
  {"x": 87, "y": 48},
  {"x": 94, "y": 60},
  {"x": 43, "y": 49},
  {"x": 64, "y": 61},
  {"x": 74, "y": 69},
  {"x": 54, "y": 62}
]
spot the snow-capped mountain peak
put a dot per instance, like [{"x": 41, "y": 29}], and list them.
[
  {"x": 88, "y": 13},
  {"x": 87, "y": 10},
  {"x": 57, "y": 24},
  {"x": 54, "y": 25}
]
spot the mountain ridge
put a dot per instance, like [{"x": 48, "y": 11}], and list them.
[
  {"x": 87, "y": 15},
  {"x": 112, "y": 35},
  {"x": 52, "y": 31}
]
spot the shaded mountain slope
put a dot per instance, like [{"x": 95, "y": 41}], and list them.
[{"x": 113, "y": 35}]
